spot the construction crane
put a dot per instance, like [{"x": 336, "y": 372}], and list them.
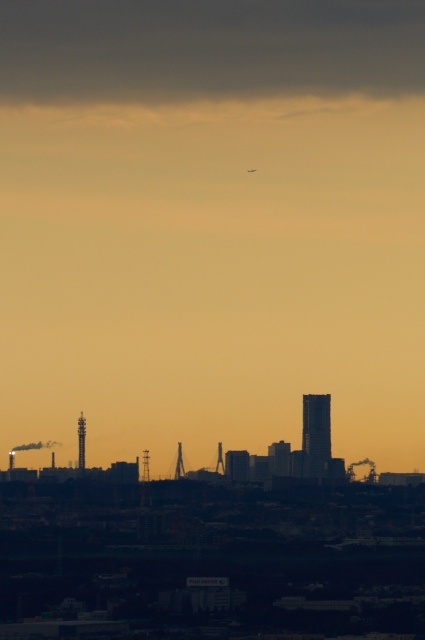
[{"x": 372, "y": 475}]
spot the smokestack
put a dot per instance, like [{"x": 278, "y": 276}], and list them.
[
  {"x": 82, "y": 442},
  {"x": 53, "y": 460},
  {"x": 11, "y": 460}
]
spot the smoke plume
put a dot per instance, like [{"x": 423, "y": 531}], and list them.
[
  {"x": 365, "y": 461},
  {"x": 37, "y": 445}
]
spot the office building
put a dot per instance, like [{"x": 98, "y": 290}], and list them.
[
  {"x": 298, "y": 464},
  {"x": 336, "y": 468},
  {"x": 280, "y": 458},
  {"x": 237, "y": 466},
  {"x": 124, "y": 472},
  {"x": 258, "y": 468},
  {"x": 317, "y": 434}
]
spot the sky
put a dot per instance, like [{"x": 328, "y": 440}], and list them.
[{"x": 150, "y": 281}]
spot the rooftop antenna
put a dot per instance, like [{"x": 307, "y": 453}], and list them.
[
  {"x": 180, "y": 472},
  {"x": 220, "y": 463},
  {"x": 82, "y": 442}
]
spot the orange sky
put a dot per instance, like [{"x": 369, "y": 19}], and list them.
[{"x": 150, "y": 281}]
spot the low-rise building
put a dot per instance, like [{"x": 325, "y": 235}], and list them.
[
  {"x": 93, "y": 615},
  {"x": 201, "y": 599},
  {"x": 64, "y": 629},
  {"x": 404, "y": 479},
  {"x": 299, "y": 602}
]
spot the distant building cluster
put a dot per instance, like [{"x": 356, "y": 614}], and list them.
[
  {"x": 211, "y": 594},
  {"x": 311, "y": 464},
  {"x": 403, "y": 479},
  {"x": 313, "y": 461},
  {"x": 118, "y": 473}
]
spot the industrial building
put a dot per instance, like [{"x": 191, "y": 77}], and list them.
[
  {"x": 118, "y": 473},
  {"x": 403, "y": 479}
]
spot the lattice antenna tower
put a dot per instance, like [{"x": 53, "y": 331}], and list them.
[
  {"x": 82, "y": 442},
  {"x": 146, "y": 474},
  {"x": 180, "y": 472},
  {"x": 220, "y": 463},
  {"x": 146, "y": 480}
]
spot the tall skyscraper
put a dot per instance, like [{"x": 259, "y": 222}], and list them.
[{"x": 317, "y": 434}]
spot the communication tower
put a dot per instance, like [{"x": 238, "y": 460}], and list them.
[
  {"x": 220, "y": 464},
  {"x": 146, "y": 475},
  {"x": 82, "y": 442},
  {"x": 180, "y": 472},
  {"x": 146, "y": 480}
]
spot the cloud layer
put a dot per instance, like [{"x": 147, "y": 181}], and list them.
[{"x": 167, "y": 50}]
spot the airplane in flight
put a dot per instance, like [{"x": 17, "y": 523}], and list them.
[{"x": 252, "y": 170}]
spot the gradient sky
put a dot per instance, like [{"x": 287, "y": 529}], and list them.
[{"x": 150, "y": 281}]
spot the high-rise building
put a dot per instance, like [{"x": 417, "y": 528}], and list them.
[
  {"x": 258, "y": 468},
  {"x": 279, "y": 458},
  {"x": 299, "y": 464},
  {"x": 336, "y": 468},
  {"x": 237, "y": 466},
  {"x": 317, "y": 434}
]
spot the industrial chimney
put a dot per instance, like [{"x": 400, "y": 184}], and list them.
[{"x": 53, "y": 460}]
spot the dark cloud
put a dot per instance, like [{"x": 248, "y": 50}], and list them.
[{"x": 144, "y": 50}]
